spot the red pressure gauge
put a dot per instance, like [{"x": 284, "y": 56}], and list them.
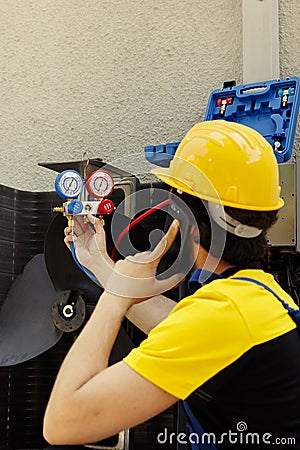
[{"x": 99, "y": 184}]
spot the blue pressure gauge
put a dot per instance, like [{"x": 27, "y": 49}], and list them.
[{"x": 69, "y": 184}]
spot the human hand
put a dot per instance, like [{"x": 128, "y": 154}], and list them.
[
  {"x": 134, "y": 277},
  {"x": 90, "y": 246}
]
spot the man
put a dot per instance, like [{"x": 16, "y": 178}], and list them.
[{"x": 231, "y": 348}]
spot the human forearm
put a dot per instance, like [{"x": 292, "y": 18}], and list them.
[
  {"x": 149, "y": 314},
  {"x": 87, "y": 357}
]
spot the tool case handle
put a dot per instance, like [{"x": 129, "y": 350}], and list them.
[{"x": 255, "y": 89}]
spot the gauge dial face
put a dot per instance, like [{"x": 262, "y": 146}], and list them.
[
  {"x": 69, "y": 184},
  {"x": 100, "y": 184}
]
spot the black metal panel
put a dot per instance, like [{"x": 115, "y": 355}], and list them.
[
  {"x": 25, "y": 389},
  {"x": 24, "y": 219}
]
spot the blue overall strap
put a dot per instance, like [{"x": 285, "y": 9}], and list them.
[
  {"x": 294, "y": 313},
  {"x": 197, "y": 434}
]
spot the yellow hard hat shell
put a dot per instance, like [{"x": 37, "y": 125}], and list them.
[{"x": 227, "y": 163}]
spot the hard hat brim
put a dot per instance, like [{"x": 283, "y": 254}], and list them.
[{"x": 164, "y": 175}]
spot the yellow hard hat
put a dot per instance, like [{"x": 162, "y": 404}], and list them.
[{"x": 227, "y": 163}]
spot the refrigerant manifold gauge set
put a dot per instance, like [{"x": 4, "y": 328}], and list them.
[{"x": 70, "y": 186}]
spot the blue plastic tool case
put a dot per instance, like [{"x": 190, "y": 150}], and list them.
[
  {"x": 270, "y": 107},
  {"x": 161, "y": 155}
]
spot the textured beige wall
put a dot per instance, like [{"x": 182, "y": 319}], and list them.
[
  {"x": 289, "y": 29},
  {"x": 111, "y": 76},
  {"x": 106, "y": 76}
]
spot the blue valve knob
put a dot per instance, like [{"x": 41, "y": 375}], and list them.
[{"x": 75, "y": 207}]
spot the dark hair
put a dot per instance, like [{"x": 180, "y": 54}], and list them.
[{"x": 237, "y": 250}]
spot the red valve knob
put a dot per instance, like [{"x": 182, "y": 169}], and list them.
[{"x": 106, "y": 207}]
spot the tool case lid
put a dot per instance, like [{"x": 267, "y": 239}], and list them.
[{"x": 269, "y": 107}]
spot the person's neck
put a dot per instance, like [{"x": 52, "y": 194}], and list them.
[{"x": 208, "y": 262}]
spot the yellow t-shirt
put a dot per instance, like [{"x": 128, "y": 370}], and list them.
[{"x": 211, "y": 329}]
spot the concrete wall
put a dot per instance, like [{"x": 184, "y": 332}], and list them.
[
  {"x": 111, "y": 76},
  {"x": 289, "y": 50}
]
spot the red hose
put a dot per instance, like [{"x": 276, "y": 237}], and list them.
[{"x": 135, "y": 222}]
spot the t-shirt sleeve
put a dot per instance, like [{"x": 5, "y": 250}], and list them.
[{"x": 200, "y": 337}]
